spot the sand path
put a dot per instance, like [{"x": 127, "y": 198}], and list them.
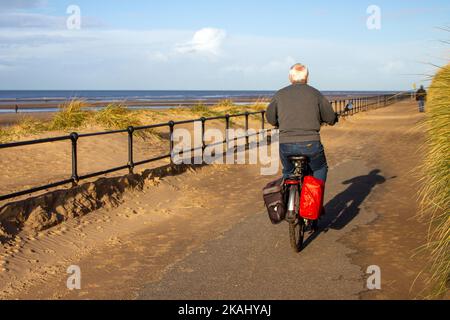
[{"x": 205, "y": 234}]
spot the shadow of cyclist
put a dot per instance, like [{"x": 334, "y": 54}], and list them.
[{"x": 345, "y": 206}]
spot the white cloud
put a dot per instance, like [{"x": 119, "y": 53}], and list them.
[
  {"x": 30, "y": 20},
  {"x": 158, "y": 56},
  {"x": 205, "y": 41},
  {"x": 21, "y": 4},
  {"x": 271, "y": 66}
]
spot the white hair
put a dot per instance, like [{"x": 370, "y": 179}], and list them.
[{"x": 298, "y": 73}]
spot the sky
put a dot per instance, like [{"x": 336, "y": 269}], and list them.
[{"x": 219, "y": 45}]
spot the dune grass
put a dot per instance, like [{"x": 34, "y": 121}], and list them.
[
  {"x": 26, "y": 127},
  {"x": 435, "y": 192},
  {"x": 200, "y": 107},
  {"x": 115, "y": 116},
  {"x": 70, "y": 116}
]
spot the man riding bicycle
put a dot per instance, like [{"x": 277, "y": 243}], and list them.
[{"x": 298, "y": 111}]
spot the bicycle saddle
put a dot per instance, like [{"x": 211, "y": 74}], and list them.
[{"x": 298, "y": 158}]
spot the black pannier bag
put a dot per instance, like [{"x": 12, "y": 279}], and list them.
[{"x": 273, "y": 195}]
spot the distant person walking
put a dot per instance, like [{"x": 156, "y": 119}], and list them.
[
  {"x": 421, "y": 97},
  {"x": 17, "y": 108}
]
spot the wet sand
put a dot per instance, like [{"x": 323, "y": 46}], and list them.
[
  {"x": 10, "y": 119},
  {"x": 147, "y": 103}
]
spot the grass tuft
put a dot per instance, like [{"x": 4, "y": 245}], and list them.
[
  {"x": 26, "y": 127},
  {"x": 116, "y": 116},
  {"x": 70, "y": 116},
  {"x": 435, "y": 193}
]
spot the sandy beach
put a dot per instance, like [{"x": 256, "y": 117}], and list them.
[{"x": 169, "y": 234}]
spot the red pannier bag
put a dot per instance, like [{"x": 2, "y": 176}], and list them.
[{"x": 311, "y": 200}]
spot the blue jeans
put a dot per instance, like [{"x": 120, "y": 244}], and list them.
[
  {"x": 313, "y": 150},
  {"x": 421, "y": 105}
]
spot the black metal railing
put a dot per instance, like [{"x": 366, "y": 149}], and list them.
[{"x": 344, "y": 108}]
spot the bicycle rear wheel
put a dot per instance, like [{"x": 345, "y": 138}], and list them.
[{"x": 297, "y": 234}]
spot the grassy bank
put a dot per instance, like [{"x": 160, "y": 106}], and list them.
[
  {"x": 73, "y": 116},
  {"x": 435, "y": 193}
]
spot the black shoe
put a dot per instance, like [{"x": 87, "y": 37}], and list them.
[
  {"x": 315, "y": 226},
  {"x": 322, "y": 213}
]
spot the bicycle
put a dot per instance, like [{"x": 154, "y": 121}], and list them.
[{"x": 298, "y": 226}]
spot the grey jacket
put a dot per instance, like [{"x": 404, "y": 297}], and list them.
[{"x": 299, "y": 110}]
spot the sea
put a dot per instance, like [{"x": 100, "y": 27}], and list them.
[{"x": 27, "y": 98}]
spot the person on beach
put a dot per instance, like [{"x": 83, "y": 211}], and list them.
[
  {"x": 421, "y": 97},
  {"x": 299, "y": 110},
  {"x": 17, "y": 108}
]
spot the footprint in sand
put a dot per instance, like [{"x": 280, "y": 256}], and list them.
[
  {"x": 59, "y": 233},
  {"x": 114, "y": 241}
]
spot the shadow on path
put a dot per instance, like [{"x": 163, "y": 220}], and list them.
[{"x": 345, "y": 206}]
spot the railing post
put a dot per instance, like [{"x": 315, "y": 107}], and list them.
[
  {"x": 263, "y": 114},
  {"x": 203, "y": 119},
  {"x": 74, "y": 139},
  {"x": 171, "y": 125},
  {"x": 246, "y": 129},
  {"x": 262, "y": 129},
  {"x": 227, "y": 128},
  {"x": 130, "y": 131}
]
